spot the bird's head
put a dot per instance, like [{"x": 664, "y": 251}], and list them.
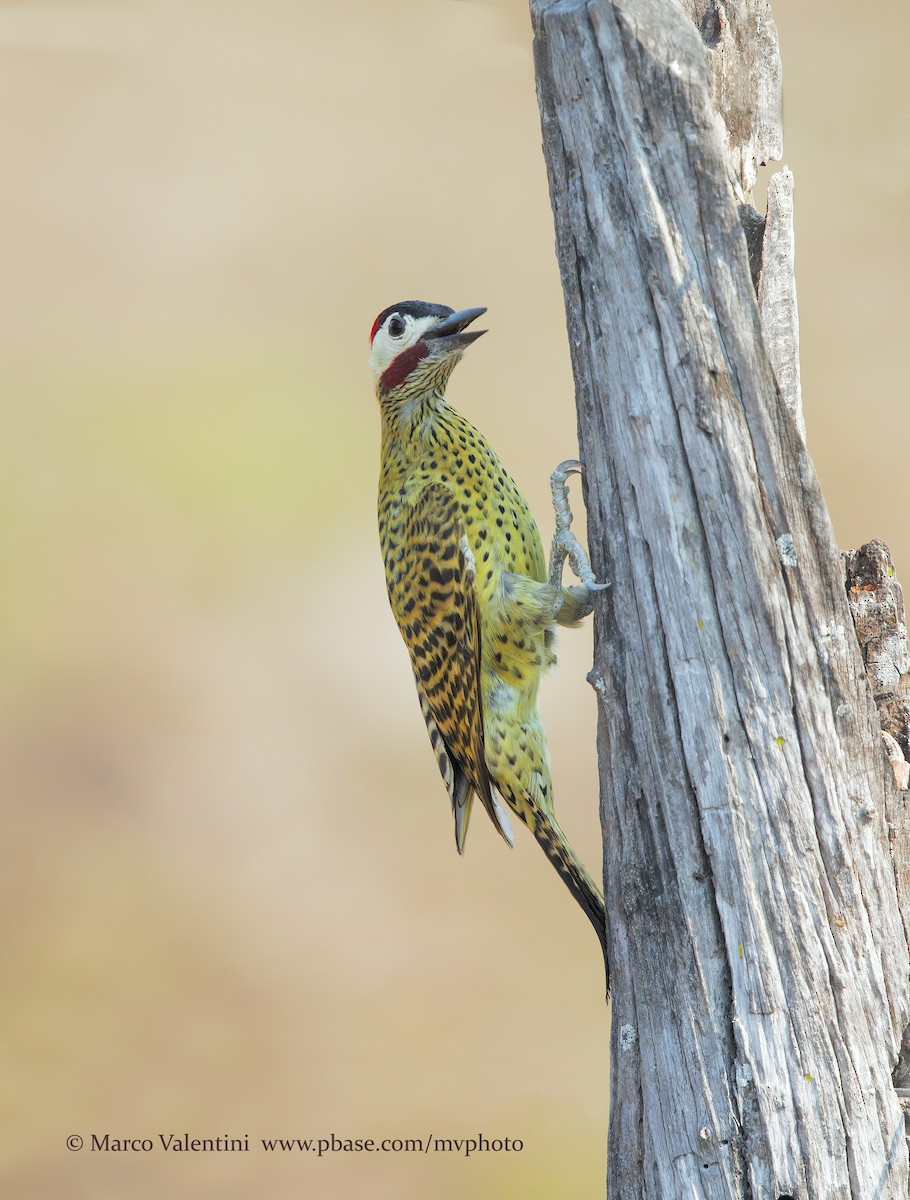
[{"x": 415, "y": 345}]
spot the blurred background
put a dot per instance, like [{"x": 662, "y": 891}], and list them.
[{"x": 232, "y": 903}]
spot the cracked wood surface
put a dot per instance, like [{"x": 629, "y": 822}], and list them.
[
  {"x": 760, "y": 959},
  {"x": 876, "y": 602}
]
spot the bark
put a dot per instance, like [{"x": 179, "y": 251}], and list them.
[{"x": 753, "y": 886}]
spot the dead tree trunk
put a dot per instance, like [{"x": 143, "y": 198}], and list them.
[{"x": 759, "y": 957}]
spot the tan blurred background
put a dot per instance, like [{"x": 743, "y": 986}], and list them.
[{"x": 232, "y": 902}]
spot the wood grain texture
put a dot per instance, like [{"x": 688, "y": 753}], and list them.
[
  {"x": 745, "y": 74},
  {"x": 759, "y": 955},
  {"x": 876, "y": 601},
  {"x": 777, "y": 294}
]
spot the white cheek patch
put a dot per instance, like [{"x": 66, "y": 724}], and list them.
[{"x": 381, "y": 353}]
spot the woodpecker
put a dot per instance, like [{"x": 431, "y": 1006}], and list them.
[{"x": 469, "y": 586}]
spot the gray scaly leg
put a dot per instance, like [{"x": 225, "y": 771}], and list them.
[{"x": 566, "y": 545}]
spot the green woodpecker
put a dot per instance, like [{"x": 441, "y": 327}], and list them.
[{"x": 469, "y": 586}]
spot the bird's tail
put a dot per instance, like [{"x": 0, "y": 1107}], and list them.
[{"x": 556, "y": 846}]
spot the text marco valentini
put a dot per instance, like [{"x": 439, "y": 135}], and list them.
[{"x": 169, "y": 1141}]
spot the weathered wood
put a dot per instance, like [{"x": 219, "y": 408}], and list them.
[
  {"x": 876, "y": 602},
  {"x": 759, "y": 955},
  {"x": 744, "y": 70},
  {"x": 777, "y": 295}
]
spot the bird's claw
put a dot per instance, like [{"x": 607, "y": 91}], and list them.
[
  {"x": 565, "y": 543},
  {"x": 561, "y": 492},
  {"x": 571, "y": 466}
]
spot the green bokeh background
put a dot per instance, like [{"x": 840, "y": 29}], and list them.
[{"x": 232, "y": 902}]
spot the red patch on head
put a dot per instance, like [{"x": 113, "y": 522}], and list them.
[
  {"x": 400, "y": 368},
  {"x": 376, "y": 325}
]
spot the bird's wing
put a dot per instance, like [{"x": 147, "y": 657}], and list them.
[{"x": 435, "y": 604}]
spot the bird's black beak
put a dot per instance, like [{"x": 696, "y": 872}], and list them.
[{"x": 452, "y": 331}]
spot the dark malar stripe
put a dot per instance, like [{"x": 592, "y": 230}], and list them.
[{"x": 398, "y": 371}]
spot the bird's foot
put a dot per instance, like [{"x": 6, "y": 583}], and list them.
[{"x": 566, "y": 545}]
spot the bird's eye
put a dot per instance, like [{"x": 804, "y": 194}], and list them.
[{"x": 396, "y": 327}]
